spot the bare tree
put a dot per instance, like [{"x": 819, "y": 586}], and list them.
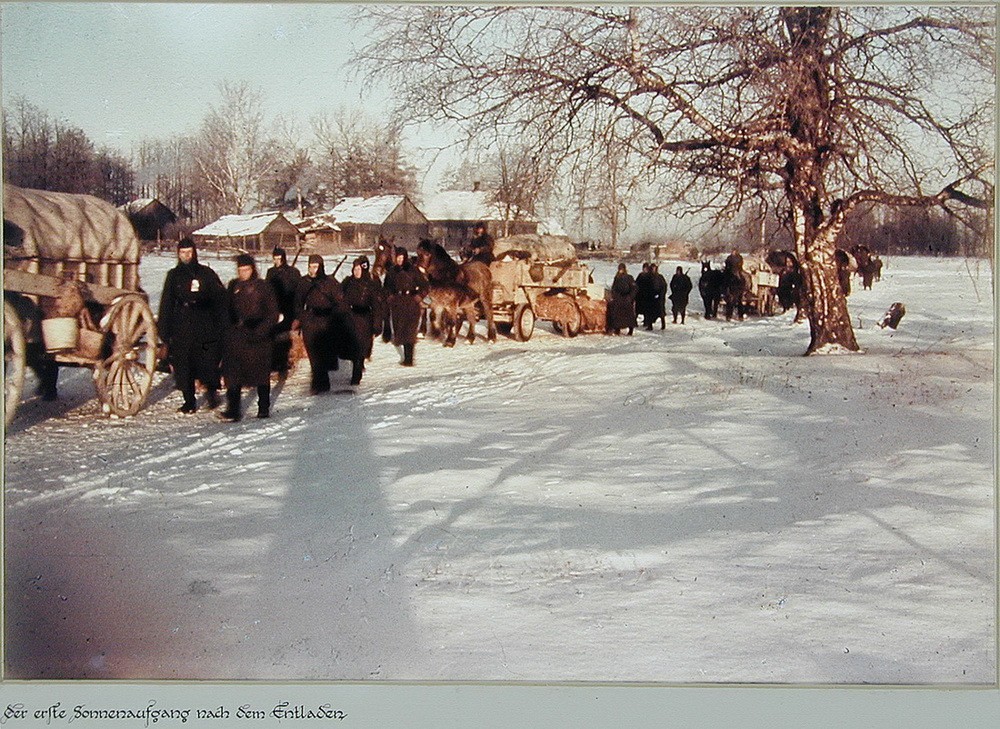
[
  {"x": 166, "y": 169},
  {"x": 235, "y": 149},
  {"x": 830, "y": 107},
  {"x": 359, "y": 157},
  {"x": 517, "y": 175}
]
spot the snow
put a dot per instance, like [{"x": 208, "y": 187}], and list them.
[
  {"x": 700, "y": 504},
  {"x": 240, "y": 225},
  {"x": 361, "y": 210},
  {"x": 463, "y": 205}
]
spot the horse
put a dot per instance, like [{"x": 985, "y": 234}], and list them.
[
  {"x": 710, "y": 288},
  {"x": 866, "y": 264},
  {"x": 383, "y": 257},
  {"x": 447, "y": 302},
  {"x": 735, "y": 284},
  {"x": 441, "y": 268},
  {"x": 790, "y": 288}
]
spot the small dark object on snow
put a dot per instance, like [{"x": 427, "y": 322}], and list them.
[{"x": 893, "y": 316}]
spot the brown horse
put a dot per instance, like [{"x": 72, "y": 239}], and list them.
[
  {"x": 441, "y": 268},
  {"x": 790, "y": 286},
  {"x": 450, "y": 304},
  {"x": 383, "y": 257}
]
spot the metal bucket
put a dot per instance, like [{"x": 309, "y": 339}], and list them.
[{"x": 60, "y": 333}]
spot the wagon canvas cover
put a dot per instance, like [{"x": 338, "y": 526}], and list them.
[{"x": 64, "y": 227}]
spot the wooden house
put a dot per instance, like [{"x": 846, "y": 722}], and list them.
[
  {"x": 150, "y": 218},
  {"x": 363, "y": 220},
  {"x": 255, "y": 233},
  {"x": 320, "y": 234}
]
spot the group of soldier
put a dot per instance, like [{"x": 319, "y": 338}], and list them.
[
  {"x": 242, "y": 333},
  {"x": 645, "y": 296}
]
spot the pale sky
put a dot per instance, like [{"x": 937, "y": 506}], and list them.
[{"x": 124, "y": 72}]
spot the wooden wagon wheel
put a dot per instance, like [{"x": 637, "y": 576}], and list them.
[
  {"x": 124, "y": 373},
  {"x": 573, "y": 324},
  {"x": 14, "y": 361},
  {"x": 523, "y": 325}
]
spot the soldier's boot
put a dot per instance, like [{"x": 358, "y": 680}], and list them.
[
  {"x": 190, "y": 405},
  {"x": 264, "y": 401},
  {"x": 407, "y": 355},
  {"x": 232, "y": 412}
]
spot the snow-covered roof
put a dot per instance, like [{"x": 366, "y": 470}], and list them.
[
  {"x": 462, "y": 205},
  {"x": 324, "y": 221},
  {"x": 366, "y": 210},
  {"x": 136, "y": 205},
  {"x": 234, "y": 226}
]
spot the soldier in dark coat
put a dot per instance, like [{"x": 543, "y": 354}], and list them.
[
  {"x": 405, "y": 287},
  {"x": 659, "y": 295},
  {"x": 362, "y": 297},
  {"x": 284, "y": 279},
  {"x": 252, "y": 315},
  {"x": 621, "y": 306},
  {"x": 316, "y": 299},
  {"x": 480, "y": 248},
  {"x": 680, "y": 291},
  {"x": 190, "y": 323},
  {"x": 645, "y": 298}
]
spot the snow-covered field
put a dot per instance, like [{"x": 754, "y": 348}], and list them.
[{"x": 700, "y": 504}]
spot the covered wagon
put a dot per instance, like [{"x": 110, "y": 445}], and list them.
[{"x": 72, "y": 297}]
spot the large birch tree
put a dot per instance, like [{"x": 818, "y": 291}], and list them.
[{"x": 828, "y": 108}]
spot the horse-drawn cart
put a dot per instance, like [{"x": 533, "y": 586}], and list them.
[
  {"x": 526, "y": 291},
  {"x": 760, "y": 296},
  {"x": 72, "y": 297}
]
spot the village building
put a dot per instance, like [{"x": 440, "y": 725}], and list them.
[
  {"x": 255, "y": 233},
  {"x": 362, "y": 221},
  {"x": 454, "y": 213},
  {"x": 153, "y": 221},
  {"x": 321, "y": 234}
]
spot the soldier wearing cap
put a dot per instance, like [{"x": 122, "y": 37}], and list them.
[
  {"x": 284, "y": 279},
  {"x": 405, "y": 286},
  {"x": 190, "y": 321},
  {"x": 362, "y": 295},
  {"x": 317, "y": 297},
  {"x": 480, "y": 247},
  {"x": 252, "y": 315}
]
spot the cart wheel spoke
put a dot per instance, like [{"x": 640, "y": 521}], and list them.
[{"x": 125, "y": 377}]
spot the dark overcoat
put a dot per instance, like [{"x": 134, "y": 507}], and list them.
[
  {"x": 680, "y": 291},
  {"x": 253, "y": 317},
  {"x": 316, "y": 300},
  {"x": 405, "y": 287},
  {"x": 284, "y": 280},
  {"x": 621, "y": 306},
  {"x": 645, "y": 296},
  {"x": 660, "y": 293},
  {"x": 363, "y": 299},
  {"x": 191, "y": 319},
  {"x": 480, "y": 249}
]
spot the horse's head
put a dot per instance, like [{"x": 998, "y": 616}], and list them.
[
  {"x": 706, "y": 266},
  {"x": 383, "y": 255}
]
